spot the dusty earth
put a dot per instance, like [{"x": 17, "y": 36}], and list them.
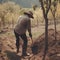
[
  {"x": 53, "y": 45},
  {"x": 8, "y": 48}
]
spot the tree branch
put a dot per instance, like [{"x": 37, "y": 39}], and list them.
[
  {"x": 42, "y": 5},
  {"x": 49, "y": 5}
]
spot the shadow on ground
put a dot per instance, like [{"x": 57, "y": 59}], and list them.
[{"x": 12, "y": 55}]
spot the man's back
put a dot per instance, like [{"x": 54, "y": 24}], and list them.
[{"x": 22, "y": 24}]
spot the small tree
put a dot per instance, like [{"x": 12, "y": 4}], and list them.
[
  {"x": 45, "y": 5},
  {"x": 53, "y": 10}
]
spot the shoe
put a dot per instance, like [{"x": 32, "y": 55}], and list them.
[
  {"x": 25, "y": 54},
  {"x": 17, "y": 51}
]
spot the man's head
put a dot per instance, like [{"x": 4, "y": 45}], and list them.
[{"x": 29, "y": 13}]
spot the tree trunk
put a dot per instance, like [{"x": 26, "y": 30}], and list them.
[
  {"x": 55, "y": 28},
  {"x": 46, "y": 38}
]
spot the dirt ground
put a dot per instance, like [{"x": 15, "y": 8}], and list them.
[{"x": 8, "y": 48}]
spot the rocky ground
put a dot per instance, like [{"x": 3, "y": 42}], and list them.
[{"x": 8, "y": 48}]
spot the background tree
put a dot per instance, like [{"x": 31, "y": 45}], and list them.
[
  {"x": 45, "y": 5},
  {"x": 2, "y": 1},
  {"x": 2, "y": 16},
  {"x": 53, "y": 10},
  {"x": 59, "y": 1},
  {"x": 35, "y": 8},
  {"x": 9, "y": 11}
]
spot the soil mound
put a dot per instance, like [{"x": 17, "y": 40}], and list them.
[{"x": 53, "y": 45}]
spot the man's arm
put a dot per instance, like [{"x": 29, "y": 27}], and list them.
[{"x": 29, "y": 28}]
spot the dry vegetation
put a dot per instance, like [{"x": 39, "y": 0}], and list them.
[{"x": 9, "y": 12}]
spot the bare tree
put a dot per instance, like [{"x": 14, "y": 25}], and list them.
[
  {"x": 45, "y": 5},
  {"x": 53, "y": 10}
]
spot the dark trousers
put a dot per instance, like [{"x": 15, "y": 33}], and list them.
[{"x": 24, "y": 38}]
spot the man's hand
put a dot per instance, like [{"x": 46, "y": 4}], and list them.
[{"x": 30, "y": 35}]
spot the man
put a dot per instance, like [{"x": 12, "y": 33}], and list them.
[{"x": 23, "y": 24}]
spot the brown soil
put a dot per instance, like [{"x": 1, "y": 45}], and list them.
[
  {"x": 8, "y": 48},
  {"x": 53, "y": 45}
]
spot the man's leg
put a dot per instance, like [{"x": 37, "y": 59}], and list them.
[
  {"x": 17, "y": 41},
  {"x": 24, "y": 37}
]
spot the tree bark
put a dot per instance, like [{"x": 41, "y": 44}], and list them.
[{"x": 46, "y": 38}]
